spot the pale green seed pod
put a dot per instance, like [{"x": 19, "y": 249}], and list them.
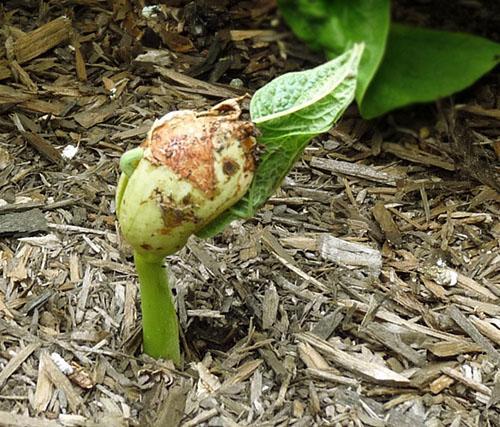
[{"x": 191, "y": 168}]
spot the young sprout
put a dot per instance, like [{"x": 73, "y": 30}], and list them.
[{"x": 191, "y": 168}]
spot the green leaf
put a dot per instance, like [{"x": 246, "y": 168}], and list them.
[
  {"x": 333, "y": 26},
  {"x": 422, "y": 65},
  {"x": 289, "y": 111}
]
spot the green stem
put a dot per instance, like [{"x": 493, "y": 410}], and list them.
[{"x": 159, "y": 319}]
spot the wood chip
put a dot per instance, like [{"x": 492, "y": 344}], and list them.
[
  {"x": 43, "y": 391},
  {"x": 350, "y": 254},
  {"x": 441, "y": 383},
  {"x": 89, "y": 118},
  {"x": 198, "y": 86},
  {"x": 423, "y": 376},
  {"x": 393, "y": 341},
  {"x": 171, "y": 411},
  {"x": 469, "y": 328},
  {"x": 387, "y": 224},
  {"x": 44, "y": 147},
  {"x": 26, "y": 222},
  {"x": 17, "y": 420},
  {"x": 487, "y": 329},
  {"x": 370, "y": 371},
  {"x": 469, "y": 382},
  {"x": 330, "y": 376},
  {"x": 16, "y": 361},
  {"x": 36, "y": 42},
  {"x": 270, "y": 307},
  {"x": 353, "y": 169},
  {"x": 411, "y": 153},
  {"x": 454, "y": 348},
  {"x": 61, "y": 382},
  {"x": 311, "y": 358}
]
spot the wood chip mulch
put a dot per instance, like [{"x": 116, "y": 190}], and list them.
[{"x": 365, "y": 292}]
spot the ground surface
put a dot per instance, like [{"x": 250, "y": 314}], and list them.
[{"x": 282, "y": 324}]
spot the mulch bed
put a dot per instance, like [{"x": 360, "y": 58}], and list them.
[{"x": 365, "y": 292}]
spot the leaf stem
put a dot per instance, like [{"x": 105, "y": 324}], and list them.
[{"x": 159, "y": 318}]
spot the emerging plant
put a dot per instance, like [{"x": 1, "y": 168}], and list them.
[{"x": 196, "y": 172}]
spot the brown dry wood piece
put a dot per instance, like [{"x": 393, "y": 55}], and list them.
[
  {"x": 486, "y": 328},
  {"x": 387, "y": 224},
  {"x": 268, "y": 35},
  {"x": 83, "y": 295},
  {"x": 44, "y": 147},
  {"x": 270, "y": 306},
  {"x": 198, "y": 86},
  {"x": 453, "y": 348},
  {"x": 495, "y": 394},
  {"x": 44, "y": 38},
  {"x": 440, "y": 383},
  {"x": 205, "y": 313},
  {"x": 273, "y": 244},
  {"x": 242, "y": 373},
  {"x": 10, "y": 96},
  {"x": 282, "y": 255},
  {"x": 393, "y": 341},
  {"x": 206, "y": 259},
  {"x": 35, "y": 43},
  {"x": 171, "y": 411},
  {"x": 228, "y": 422},
  {"x": 17, "y": 207},
  {"x": 473, "y": 286},
  {"x": 39, "y": 106},
  {"x": 469, "y": 328},
  {"x": 25, "y": 222},
  {"x": 16, "y": 361},
  {"x": 477, "y": 306},
  {"x": 272, "y": 360},
  {"x": 4, "y": 69},
  {"x": 350, "y": 254},
  {"x": 405, "y": 397},
  {"x": 394, "y": 318},
  {"x": 61, "y": 382},
  {"x": 201, "y": 418},
  {"x": 311, "y": 358},
  {"x": 428, "y": 373},
  {"x": 9, "y": 419},
  {"x": 141, "y": 130},
  {"x": 415, "y": 155},
  {"x": 469, "y": 382},
  {"x": 21, "y": 75},
  {"x": 76, "y": 229},
  {"x": 371, "y": 371},
  {"x": 481, "y": 111},
  {"x": 331, "y": 376},
  {"x": 314, "y": 402},
  {"x": 327, "y": 324},
  {"x": 304, "y": 294},
  {"x": 44, "y": 388},
  {"x": 89, "y": 118},
  {"x": 4, "y": 309},
  {"x": 313, "y": 193},
  {"x": 438, "y": 291},
  {"x": 354, "y": 169},
  {"x": 81, "y": 71}
]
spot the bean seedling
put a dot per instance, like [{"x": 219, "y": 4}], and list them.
[{"x": 196, "y": 172}]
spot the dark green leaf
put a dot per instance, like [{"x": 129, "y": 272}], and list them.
[
  {"x": 333, "y": 26},
  {"x": 422, "y": 65}
]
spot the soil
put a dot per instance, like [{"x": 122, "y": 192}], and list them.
[{"x": 365, "y": 292}]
